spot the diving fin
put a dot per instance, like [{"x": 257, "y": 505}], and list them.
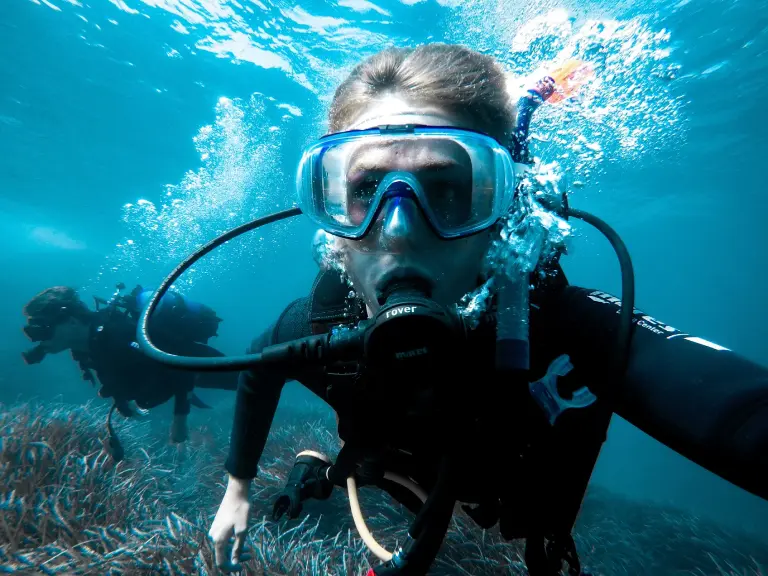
[{"x": 195, "y": 401}]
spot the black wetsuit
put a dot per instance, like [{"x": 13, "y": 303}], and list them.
[
  {"x": 127, "y": 374},
  {"x": 707, "y": 403}
]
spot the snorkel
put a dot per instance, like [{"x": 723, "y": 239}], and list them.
[{"x": 432, "y": 330}]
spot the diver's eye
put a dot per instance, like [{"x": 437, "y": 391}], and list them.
[
  {"x": 450, "y": 200},
  {"x": 442, "y": 190},
  {"x": 361, "y": 189},
  {"x": 365, "y": 188}
]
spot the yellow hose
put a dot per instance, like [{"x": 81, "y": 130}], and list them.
[{"x": 357, "y": 515}]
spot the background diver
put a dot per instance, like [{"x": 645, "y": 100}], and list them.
[
  {"x": 413, "y": 184},
  {"x": 102, "y": 342}
]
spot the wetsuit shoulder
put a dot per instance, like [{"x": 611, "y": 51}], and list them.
[
  {"x": 326, "y": 305},
  {"x": 292, "y": 323}
]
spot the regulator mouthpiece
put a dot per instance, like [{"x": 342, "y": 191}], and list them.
[
  {"x": 411, "y": 328},
  {"x": 402, "y": 290}
]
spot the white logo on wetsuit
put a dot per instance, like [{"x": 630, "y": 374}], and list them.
[{"x": 650, "y": 323}]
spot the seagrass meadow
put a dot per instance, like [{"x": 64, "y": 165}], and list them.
[{"x": 67, "y": 508}]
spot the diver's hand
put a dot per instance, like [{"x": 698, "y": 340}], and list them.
[
  {"x": 130, "y": 409},
  {"x": 231, "y": 519},
  {"x": 140, "y": 413},
  {"x": 179, "y": 429},
  {"x": 307, "y": 480}
]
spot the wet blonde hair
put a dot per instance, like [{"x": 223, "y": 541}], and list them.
[{"x": 453, "y": 77}]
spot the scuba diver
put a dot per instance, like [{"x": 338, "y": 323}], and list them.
[
  {"x": 412, "y": 186},
  {"x": 102, "y": 342}
]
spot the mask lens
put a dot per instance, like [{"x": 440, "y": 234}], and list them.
[
  {"x": 447, "y": 183},
  {"x": 453, "y": 174},
  {"x": 458, "y": 184},
  {"x": 38, "y": 332}
]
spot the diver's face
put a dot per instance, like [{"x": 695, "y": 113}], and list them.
[
  {"x": 400, "y": 244},
  {"x": 66, "y": 335}
]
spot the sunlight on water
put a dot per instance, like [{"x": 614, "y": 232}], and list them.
[
  {"x": 623, "y": 113},
  {"x": 266, "y": 35}
]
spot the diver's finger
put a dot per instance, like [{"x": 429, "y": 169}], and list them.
[
  {"x": 220, "y": 543},
  {"x": 280, "y": 507},
  {"x": 295, "y": 509},
  {"x": 237, "y": 549}
]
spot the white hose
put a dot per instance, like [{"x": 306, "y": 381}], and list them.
[{"x": 357, "y": 515}]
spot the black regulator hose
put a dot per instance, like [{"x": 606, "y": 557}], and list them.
[
  {"x": 317, "y": 348},
  {"x": 626, "y": 312},
  {"x": 116, "y": 449},
  {"x": 216, "y": 364},
  {"x": 427, "y": 531}
]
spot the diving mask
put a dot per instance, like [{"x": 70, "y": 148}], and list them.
[
  {"x": 41, "y": 328},
  {"x": 463, "y": 181},
  {"x": 37, "y": 330}
]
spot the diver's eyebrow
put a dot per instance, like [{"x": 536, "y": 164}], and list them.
[
  {"x": 432, "y": 166},
  {"x": 372, "y": 159}
]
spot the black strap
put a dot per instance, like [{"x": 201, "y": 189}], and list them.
[
  {"x": 116, "y": 449},
  {"x": 544, "y": 556},
  {"x": 330, "y": 303}
]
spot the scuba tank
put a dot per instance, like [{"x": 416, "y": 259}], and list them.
[{"x": 176, "y": 316}]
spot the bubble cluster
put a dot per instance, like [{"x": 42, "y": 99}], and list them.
[
  {"x": 530, "y": 236},
  {"x": 624, "y": 113},
  {"x": 327, "y": 254},
  {"x": 239, "y": 178}
]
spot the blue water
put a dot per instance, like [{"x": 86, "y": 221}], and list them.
[{"x": 132, "y": 131}]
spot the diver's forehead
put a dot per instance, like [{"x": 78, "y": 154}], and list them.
[
  {"x": 388, "y": 154},
  {"x": 395, "y": 110}
]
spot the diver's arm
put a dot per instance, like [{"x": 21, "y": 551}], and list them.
[
  {"x": 526, "y": 106},
  {"x": 258, "y": 394},
  {"x": 124, "y": 407},
  {"x": 703, "y": 401}
]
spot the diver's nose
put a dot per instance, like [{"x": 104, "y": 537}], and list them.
[{"x": 402, "y": 224}]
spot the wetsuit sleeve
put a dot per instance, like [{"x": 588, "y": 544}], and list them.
[
  {"x": 123, "y": 407},
  {"x": 700, "y": 399},
  {"x": 258, "y": 394}
]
